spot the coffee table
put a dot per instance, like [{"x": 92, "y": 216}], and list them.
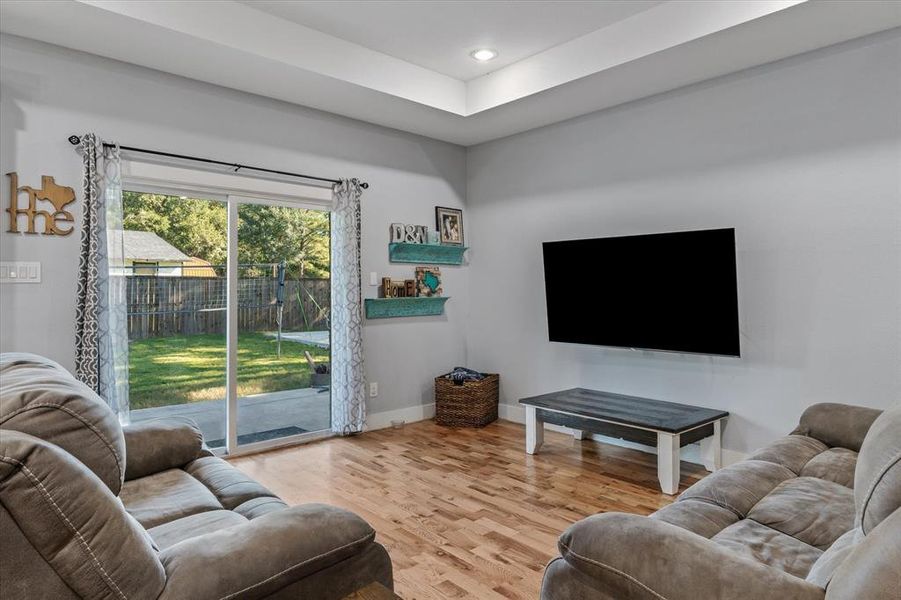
[{"x": 668, "y": 425}]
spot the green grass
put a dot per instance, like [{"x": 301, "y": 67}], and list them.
[{"x": 191, "y": 368}]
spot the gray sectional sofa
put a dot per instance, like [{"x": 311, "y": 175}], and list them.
[
  {"x": 89, "y": 509},
  {"x": 813, "y": 515}
]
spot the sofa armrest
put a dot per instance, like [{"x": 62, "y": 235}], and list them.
[
  {"x": 619, "y": 555},
  {"x": 837, "y": 425},
  {"x": 260, "y": 557},
  {"x": 160, "y": 444}
]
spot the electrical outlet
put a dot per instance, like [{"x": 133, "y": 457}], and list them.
[{"x": 373, "y": 389}]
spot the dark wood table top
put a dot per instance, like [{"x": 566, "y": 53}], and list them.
[{"x": 634, "y": 411}]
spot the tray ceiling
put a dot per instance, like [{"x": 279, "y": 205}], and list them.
[
  {"x": 439, "y": 35},
  {"x": 406, "y": 65}
]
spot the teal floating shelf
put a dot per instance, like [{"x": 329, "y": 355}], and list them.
[
  {"x": 386, "y": 308},
  {"x": 426, "y": 254}
]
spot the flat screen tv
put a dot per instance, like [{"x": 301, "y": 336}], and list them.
[{"x": 674, "y": 292}]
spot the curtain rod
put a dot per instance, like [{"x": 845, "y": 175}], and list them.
[{"x": 75, "y": 140}]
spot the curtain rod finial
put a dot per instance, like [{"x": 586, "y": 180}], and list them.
[
  {"x": 364, "y": 185},
  {"x": 74, "y": 140}
]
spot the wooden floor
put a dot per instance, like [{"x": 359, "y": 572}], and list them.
[{"x": 465, "y": 513}]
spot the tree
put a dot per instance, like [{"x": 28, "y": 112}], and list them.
[
  {"x": 196, "y": 227},
  {"x": 266, "y": 234},
  {"x": 300, "y": 237}
]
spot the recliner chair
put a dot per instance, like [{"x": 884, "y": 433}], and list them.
[{"x": 89, "y": 509}]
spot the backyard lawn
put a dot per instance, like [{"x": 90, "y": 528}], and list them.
[{"x": 190, "y": 368}]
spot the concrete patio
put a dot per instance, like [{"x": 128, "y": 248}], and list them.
[
  {"x": 260, "y": 417},
  {"x": 320, "y": 339}
]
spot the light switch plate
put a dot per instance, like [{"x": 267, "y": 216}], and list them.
[
  {"x": 20, "y": 272},
  {"x": 373, "y": 278}
]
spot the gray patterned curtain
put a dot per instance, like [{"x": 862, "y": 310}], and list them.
[
  {"x": 87, "y": 301},
  {"x": 101, "y": 326},
  {"x": 348, "y": 386}
]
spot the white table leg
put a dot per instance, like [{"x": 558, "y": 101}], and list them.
[
  {"x": 712, "y": 448},
  {"x": 668, "y": 462},
  {"x": 534, "y": 431},
  {"x": 717, "y": 442}
]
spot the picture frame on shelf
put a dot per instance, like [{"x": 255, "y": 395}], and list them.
[
  {"x": 449, "y": 222},
  {"x": 428, "y": 282}
]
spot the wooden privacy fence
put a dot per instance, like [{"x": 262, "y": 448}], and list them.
[{"x": 162, "y": 306}]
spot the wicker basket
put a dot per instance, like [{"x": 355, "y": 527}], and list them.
[{"x": 473, "y": 404}]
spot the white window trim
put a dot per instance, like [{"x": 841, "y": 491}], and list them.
[
  {"x": 156, "y": 178},
  {"x": 232, "y": 190}
]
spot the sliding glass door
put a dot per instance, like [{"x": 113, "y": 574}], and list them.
[
  {"x": 228, "y": 306},
  {"x": 175, "y": 271},
  {"x": 283, "y": 322}
]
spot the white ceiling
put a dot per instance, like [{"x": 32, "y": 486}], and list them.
[
  {"x": 439, "y": 35},
  {"x": 405, "y": 65}
]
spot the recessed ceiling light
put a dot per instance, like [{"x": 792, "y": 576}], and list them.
[{"x": 483, "y": 54}]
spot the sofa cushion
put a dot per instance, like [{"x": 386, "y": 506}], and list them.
[
  {"x": 39, "y": 397},
  {"x": 700, "y": 517},
  {"x": 257, "y": 507},
  {"x": 75, "y": 522},
  {"x": 815, "y": 511},
  {"x": 629, "y": 557},
  {"x": 837, "y": 425},
  {"x": 822, "y": 570},
  {"x": 169, "y": 534},
  {"x": 872, "y": 569},
  {"x": 792, "y": 452},
  {"x": 166, "y": 496},
  {"x": 835, "y": 464},
  {"x": 159, "y": 444},
  {"x": 264, "y": 555},
  {"x": 347, "y": 578},
  {"x": 24, "y": 574},
  {"x": 877, "y": 480},
  {"x": 740, "y": 486},
  {"x": 764, "y": 544},
  {"x": 230, "y": 486}
]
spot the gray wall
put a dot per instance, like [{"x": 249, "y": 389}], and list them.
[
  {"x": 47, "y": 93},
  {"x": 802, "y": 157}
]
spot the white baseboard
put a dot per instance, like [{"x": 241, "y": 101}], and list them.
[
  {"x": 690, "y": 453},
  {"x": 411, "y": 414}
]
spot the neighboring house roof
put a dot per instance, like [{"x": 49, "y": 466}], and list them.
[
  {"x": 146, "y": 245},
  {"x": 197, "y": 267}
]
